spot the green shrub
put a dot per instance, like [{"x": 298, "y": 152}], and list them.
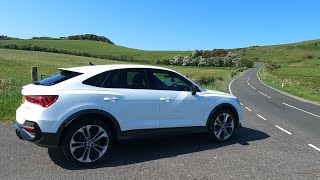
[{"x": 245, "y": 63}]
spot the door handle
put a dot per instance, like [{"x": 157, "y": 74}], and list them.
[
  {"x": 165, "y": 99},
  {"x": 113, "y": 99}
]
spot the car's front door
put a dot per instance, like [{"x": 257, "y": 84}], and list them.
[
  {"x": 178, "y": 107},
  {"x": 126, "y": 95}
]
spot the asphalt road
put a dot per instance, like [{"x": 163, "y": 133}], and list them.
[{"x": 260, "y": 150}]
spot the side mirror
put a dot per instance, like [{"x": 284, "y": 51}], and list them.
[{"x": 194, "y": 89}]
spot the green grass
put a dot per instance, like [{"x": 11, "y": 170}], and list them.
[
  {"x": 100, "y": 48},
  {"x": 300, "y": 67},
  {"x": 15, "y": 68},
  {"x": 300, "y": 81}
]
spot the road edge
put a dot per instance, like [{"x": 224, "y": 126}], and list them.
[
  {"x": 235, "y": 79},
  {"x": 285, "y": 93}
]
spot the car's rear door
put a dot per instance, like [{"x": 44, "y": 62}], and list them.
[{"x": 126, "y": 95}]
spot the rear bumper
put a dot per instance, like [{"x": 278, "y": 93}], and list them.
[{"x": 37, "y": 137}]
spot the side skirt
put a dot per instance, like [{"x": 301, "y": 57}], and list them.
[{"x": 145, "y": 133}]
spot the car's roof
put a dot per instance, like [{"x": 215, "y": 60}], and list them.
[{"x": 102, "y": 68}]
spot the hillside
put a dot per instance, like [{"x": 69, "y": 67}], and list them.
[{"x": 100, "y": 48}]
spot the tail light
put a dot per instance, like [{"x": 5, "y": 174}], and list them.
[{"x": 42, "y": 100}]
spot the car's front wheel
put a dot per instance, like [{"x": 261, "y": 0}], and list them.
[
  {"x": 221, "y": 125},
  {"x": 87, "y": 142}
]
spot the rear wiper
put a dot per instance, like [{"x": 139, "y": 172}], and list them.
[{"x": 36, "y": 83}]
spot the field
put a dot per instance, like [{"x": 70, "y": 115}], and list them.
[
  {"x": 100, "y": 48},
  {"x": 300, "y": 67},
  {"x": 15, "y": 68}
]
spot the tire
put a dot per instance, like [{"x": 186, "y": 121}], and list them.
[
  {"x": 87, "y": 142},
  {"x": 221, "y": 125}
]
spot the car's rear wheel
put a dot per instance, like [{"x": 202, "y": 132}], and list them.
[
  {"x": 221, "y": 125},
  {"x": 87, "y": 142}
]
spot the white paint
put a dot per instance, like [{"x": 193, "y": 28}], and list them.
[
  {"x": 248, "y": 109},
  {"x": 314, "y": 147},
  {"x": 283, "y": 129},
  {"x": 241, "y": 104},
  {"x": 249, "y": 84},
  {"x": 301, "y": 110},
  {"x": 284, "y": 93},
  {"x": 261, "y": 117},
  {"x": 235, "y": 79},
  {"x": 264, "y": 94},
  {"x": 253, "y": 87}
]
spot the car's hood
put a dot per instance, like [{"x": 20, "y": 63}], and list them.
[{"x": 215, "y": 93}]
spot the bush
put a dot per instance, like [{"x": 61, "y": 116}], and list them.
[
  {"x": 204, "y": 80},
  {"x": 90, "y": 37},
  {"x": 272, "y": 65},
  {"x": 233, "y": 73},
  {"x": 195, "y": 53},
  {"x": 245, "y": 63},
  {"x": 186, "y": 61},
  {"x": 203, "y": 62},
  {"x": 217, "y": 61},
  {"x": 231, "y": 59}
]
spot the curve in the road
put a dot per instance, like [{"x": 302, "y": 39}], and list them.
[{"x": 287, "y": 113}]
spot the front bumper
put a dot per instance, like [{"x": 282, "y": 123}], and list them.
[{"x": 37, "y": 136}]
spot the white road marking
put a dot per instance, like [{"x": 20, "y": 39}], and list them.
[
  {"x": 301, "y": 110},
  {"x": 261, "y": 117},
  {"x": 241, "y": 104},
  {"x": 264, "y": 94},
  {"x": 313, "y": 146},
  {"x": 283, "y": 129},
  {"x": 235, "y": 79},
  {"x": 253, "y": 87},
  {"x": 249, "y": 84},
  {"x": 248, "y": 109}
]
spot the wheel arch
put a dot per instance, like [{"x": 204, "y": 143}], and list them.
[
  {"x": 103, "y": 115},
  {"x": 224, "y": 106}
]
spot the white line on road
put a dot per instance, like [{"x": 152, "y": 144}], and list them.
[
  {"x": 261, "y": 117},
  {"x": 313, "y": 146},
  {"x": 249, "y": 84},
  {"x": 253, "y": 87},
  {"x": 264, "y": 94},
  {"x": 241, "y": 104},
  {"x": 283, "y": 129},
  {"x": 234, "y": 80},
  {"x": 248, "y": 109},
  {"x": 301, "y": 110}
]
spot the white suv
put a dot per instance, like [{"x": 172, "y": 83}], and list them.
[{"x": 84, "y": 110}]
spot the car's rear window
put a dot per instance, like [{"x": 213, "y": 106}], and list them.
[{"x": 62, "y": 76}]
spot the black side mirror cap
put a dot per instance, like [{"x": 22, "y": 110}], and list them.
[{"x": 194, "y": 89}]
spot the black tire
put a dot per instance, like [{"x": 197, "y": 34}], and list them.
[
  {"x": 213, "y": 126},
  {"x": 90, "y": 148}
]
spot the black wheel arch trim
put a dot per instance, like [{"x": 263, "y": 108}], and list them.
[
  {"x": 89, "y": 111},
  {"x": 224, "y": 105}
]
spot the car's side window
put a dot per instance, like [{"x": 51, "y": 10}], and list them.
[
  {"x": 127, "y": 78},
  {"x": 166, "y": 80},
  {"x": 96, "y": 80}
]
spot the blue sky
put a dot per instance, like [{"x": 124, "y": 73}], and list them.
[{"x": 166, "y": 24}]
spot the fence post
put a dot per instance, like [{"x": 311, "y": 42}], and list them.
[{"x": 34, "y": 73}]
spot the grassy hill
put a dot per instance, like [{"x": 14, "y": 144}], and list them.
[
  {"x": 299, "y": 70},
  {"x": 15, "y": 68},
  {"x": 100, "y": 48}
]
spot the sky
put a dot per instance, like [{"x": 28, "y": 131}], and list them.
[{"x": 166, "y": 24}]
